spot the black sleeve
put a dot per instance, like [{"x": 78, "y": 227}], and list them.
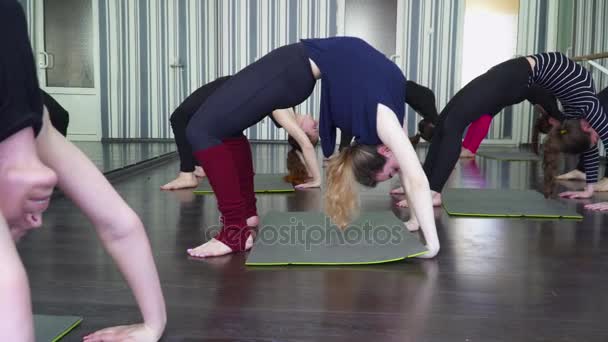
[
  {"x": 422, "y": 100},
  {"x": 20, "y": 100},
  {"x": 539, "y": 96},
  {"x": 60, "y": 118}
]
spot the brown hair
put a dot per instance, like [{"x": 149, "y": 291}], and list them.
[
  {"x": 358, "y": 163},
  {"x": 568, "y": 138},
  {"x": 541, "y": 125},
  {"x": 296, "y": 170}
]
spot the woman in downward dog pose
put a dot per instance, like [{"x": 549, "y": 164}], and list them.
[
  {"x": 363, "y": 94},
  {"x": 544, "y": 103},
  {"x": 506, "y": 84},
  {"x": 189, "y": 170},
  {"x": 273, "y": 84}
]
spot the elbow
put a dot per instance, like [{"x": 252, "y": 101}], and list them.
[{"x": 120, "y": 226}]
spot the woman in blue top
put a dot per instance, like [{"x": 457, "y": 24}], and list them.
[{"x": 363, "y": 94}]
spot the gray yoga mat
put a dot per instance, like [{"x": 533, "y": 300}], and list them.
[
  {"x": 504, "y": 203},
  {"x": 265, "y": 182},
  {"x": 52, "y": 328},
  {"x": 510, "y": 155},
  {"x": 308, "y": 238}
]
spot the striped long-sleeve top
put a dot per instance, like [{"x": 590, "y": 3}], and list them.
[{"x": 573, "y": 86}]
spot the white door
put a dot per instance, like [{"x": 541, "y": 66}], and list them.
[
  {"x": 375, "y": 21},
  {"x": 67, "y": 46}
]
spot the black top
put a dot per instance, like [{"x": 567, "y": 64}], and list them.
[{"x": 20, "y": 100}]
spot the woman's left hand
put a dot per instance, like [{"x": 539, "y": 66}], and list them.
[
  {"x": 309, "y": 184},
  {"x": 587, "y": 193},
  {"x": 601, "y": 206}
]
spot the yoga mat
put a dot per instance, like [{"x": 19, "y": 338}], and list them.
[
  {"x": 504, "y": 203},
  {"x": 510, "y": 155},
  {"x": 265, "y": 182},
  {"x": 52, "y": 328},
  {"x": 309, "y": 238}
]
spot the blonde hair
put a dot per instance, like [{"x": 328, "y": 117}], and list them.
[{"x": 356, "y": 163}]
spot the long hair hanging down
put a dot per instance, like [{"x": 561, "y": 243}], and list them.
[
  {"x": 541, "y": 125},
  {"x": 296, "y": 171},
  {"x": 355, "y": 163},
  {"x": 568, "y": 138}
]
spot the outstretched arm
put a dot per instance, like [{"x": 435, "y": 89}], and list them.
[
  {"x": 412, "y": 176},
  {"x": 119, "y": 228},
  {"x": 15, "y": 305},
  {"x": 286, "y": 118}
]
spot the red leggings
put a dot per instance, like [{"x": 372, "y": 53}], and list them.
[{"x": 476, "y": 133}]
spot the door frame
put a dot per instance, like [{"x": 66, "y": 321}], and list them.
[{"x": 94, "y": 113}]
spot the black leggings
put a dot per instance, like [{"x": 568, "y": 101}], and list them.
[
  {"x": 60, "y": 118},
  {"x": 281, "y": 79},
  {"x": 503, "y": 85},
  {"x": 420, "y": 98}
]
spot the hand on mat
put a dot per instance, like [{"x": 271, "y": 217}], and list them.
[
  {"x": 602, "y": 185},
  {"x": 310, "y": 184},
  {"x": 587, "y": 193},
  {"x": 432, "y": 252},
  {"x": 601, "y": 206},
  {"x": 135, "y": 332},
  {"x": 572, "y": 175}
]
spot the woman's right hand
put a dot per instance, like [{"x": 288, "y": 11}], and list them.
[{"x": 133, "y": 333}]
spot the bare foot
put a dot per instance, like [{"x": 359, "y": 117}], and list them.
[
  {"x": 464, "y": 153},
  {"x": 199, "y": 172},
  {"x": 397, "y": 191},
  {"x": 602, "y": 185},
  {"x": 214, "y": 248},
  {"x": 183, "y": 181},
  {"x": 572, "y": 175},
  {"x": 436, "y": 201},
  {"x": 412, "y": 225}
]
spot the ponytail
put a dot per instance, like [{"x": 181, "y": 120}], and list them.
[
  {"x": 356, "y": 163},
  {"x": 296, "y": 170},
  {"x": 341, "y": 195}
]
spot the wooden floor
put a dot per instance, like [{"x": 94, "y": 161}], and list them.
[{"x": 494, "y": 279}]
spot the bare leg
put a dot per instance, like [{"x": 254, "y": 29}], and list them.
[{"x": 465, "y": 153}]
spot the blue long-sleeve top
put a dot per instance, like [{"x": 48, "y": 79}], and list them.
[{"x": 355, "y": 79}]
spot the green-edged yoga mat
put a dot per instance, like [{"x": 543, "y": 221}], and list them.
[
  {"x": 265, "y": 182},
  {"x": 308, "y": 238},
  {"x": 510, "y": 155},
  {"x": 52, "y": 328},
  {"x": 504, "y": 203}
]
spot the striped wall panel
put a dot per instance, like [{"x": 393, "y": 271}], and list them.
[
  {"x": 591, "y": 35},
  {"x": 155, "y": 53},
  {"x": 432, "y": 49}
]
